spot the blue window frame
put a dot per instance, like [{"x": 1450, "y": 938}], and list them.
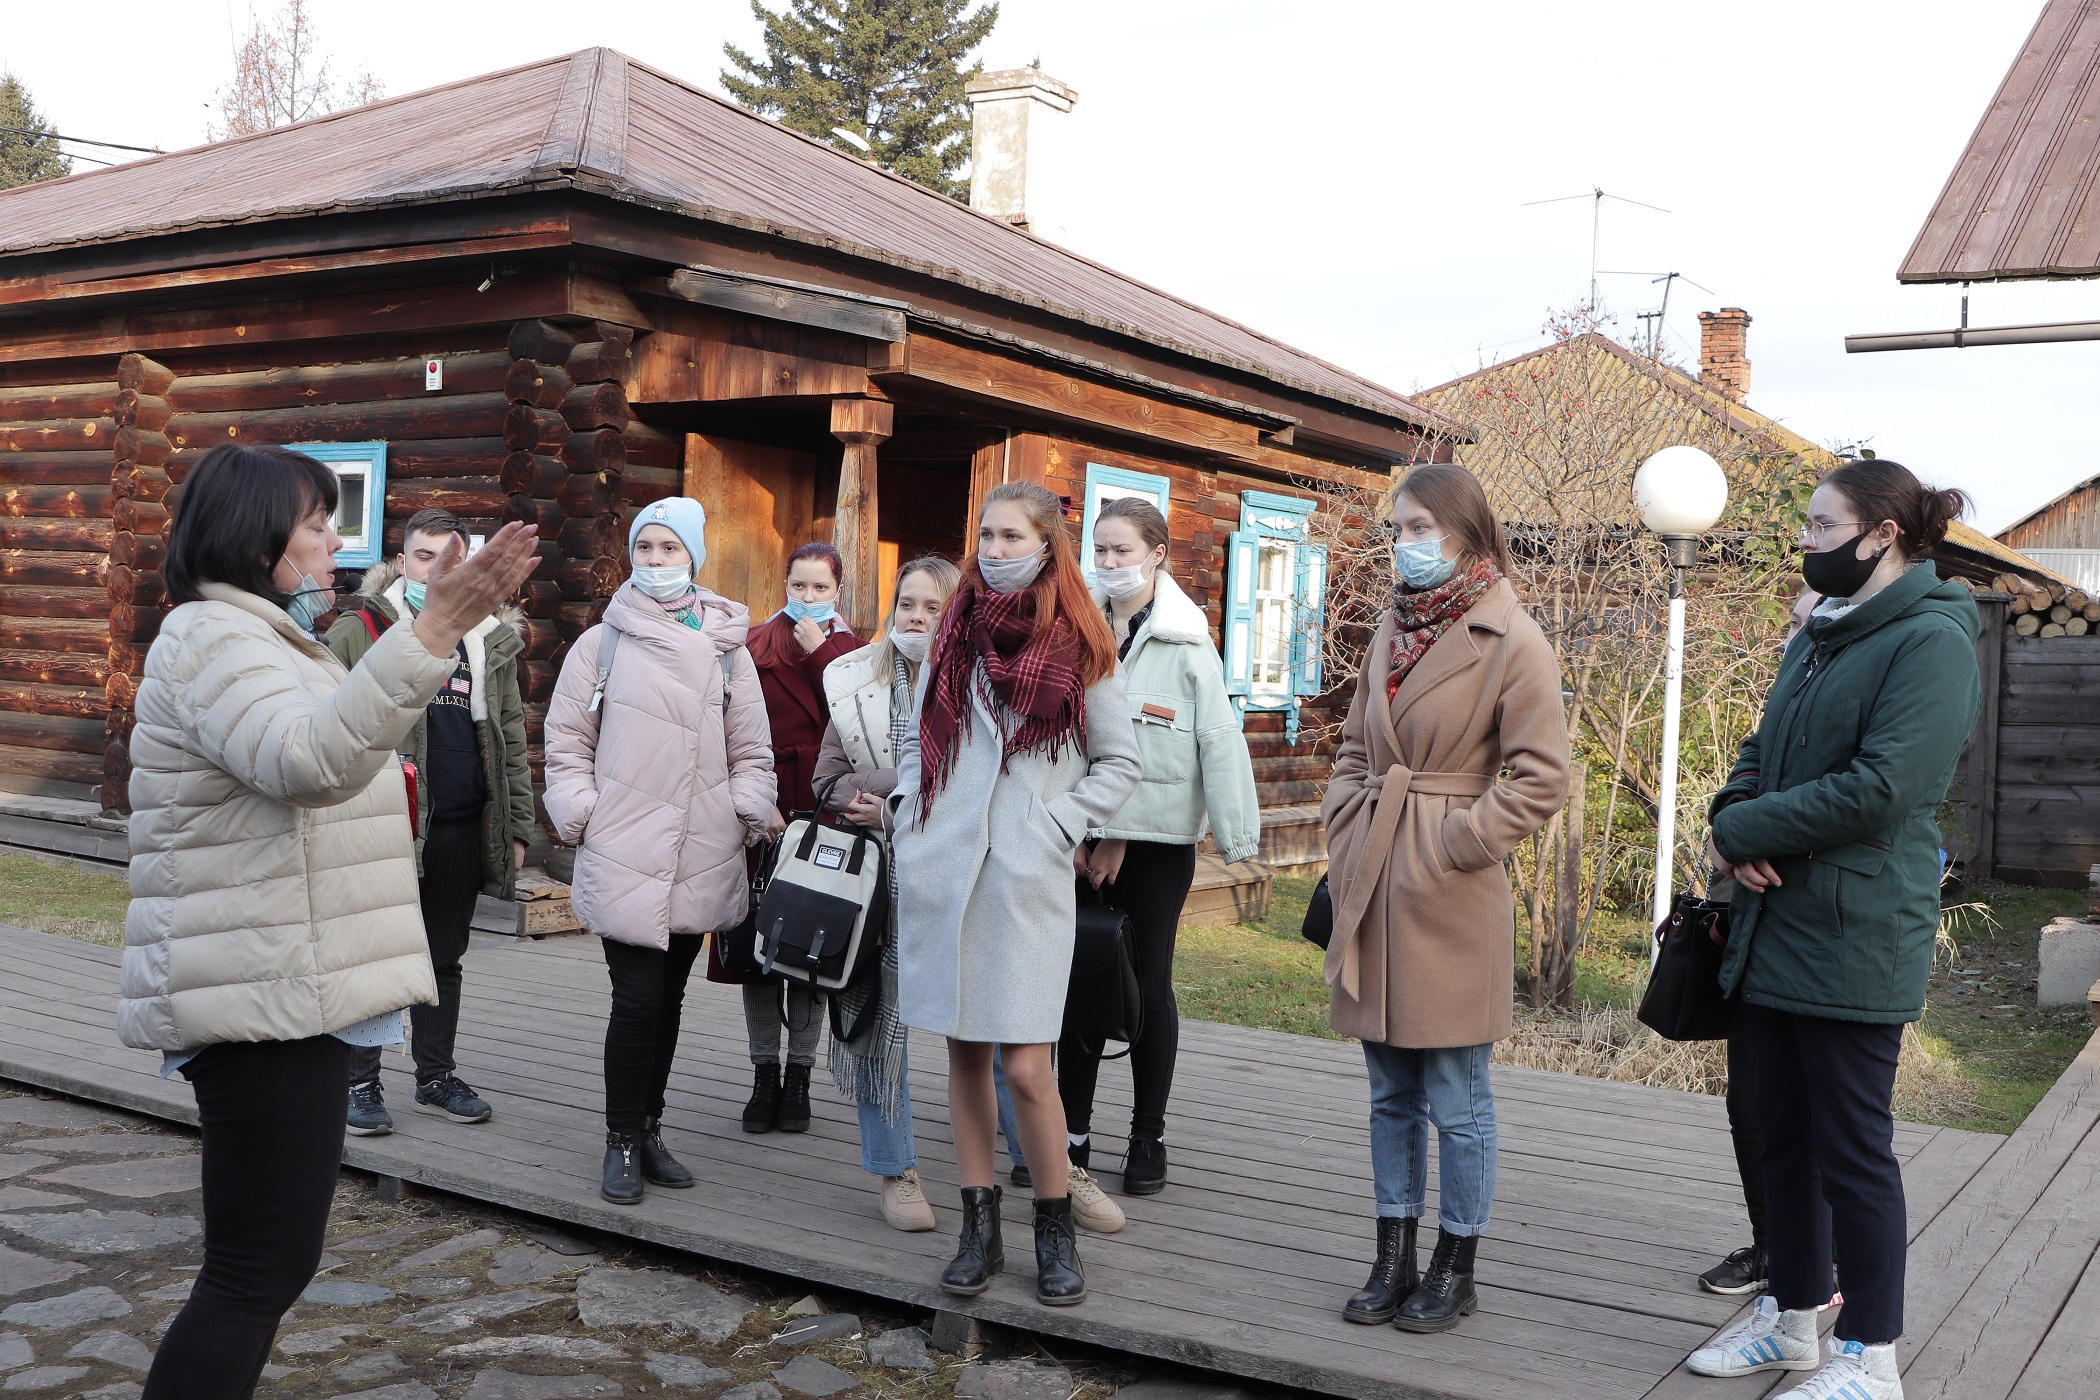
[
  {"x": 1105, "y": 484},
  {"x": 360, "y": 512},
  {"x": 1275, "y": 606}
]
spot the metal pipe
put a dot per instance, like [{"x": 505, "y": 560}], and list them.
[{"x": 1972, "y": 335}]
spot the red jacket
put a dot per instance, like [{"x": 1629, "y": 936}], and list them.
[{"x": 796, "y": 706}]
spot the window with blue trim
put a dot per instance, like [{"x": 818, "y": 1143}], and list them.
[
  {"x": 360, "y": 511},
  {"x": 1104, "y": 484},
  {"x": 1275, "y": 606}
]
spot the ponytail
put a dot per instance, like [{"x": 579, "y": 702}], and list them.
[{"x": 1879, "y": 490}]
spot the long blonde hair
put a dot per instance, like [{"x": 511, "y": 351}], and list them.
[{"x": 882, "y": 652}]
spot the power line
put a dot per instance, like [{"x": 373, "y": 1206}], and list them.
[{"x": 82, "y": 141}]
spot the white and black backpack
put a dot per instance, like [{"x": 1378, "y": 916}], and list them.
[{"x": 825, "y": 917}]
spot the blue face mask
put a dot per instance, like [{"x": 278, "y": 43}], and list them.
[
  {"x": 809, "y": 612},
  {"x": 309, "y": 602},
  {"x": 1421, "y": 563},
  {"x": 414, "y": 592}
]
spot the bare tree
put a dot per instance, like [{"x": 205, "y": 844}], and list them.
[{"x": 278, "y": 79}]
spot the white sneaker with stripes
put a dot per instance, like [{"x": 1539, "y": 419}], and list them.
[
  {"x": 1767, "y": 1340},
  {"x": 1854, "y": 1372}
]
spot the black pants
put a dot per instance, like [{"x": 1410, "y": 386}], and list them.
[
  {"x": 1743, "y": 1130},
  {"x": 641, "y": 1035},
  {"x": 451, "y": 883},
  {"x": 1151, "y": 888},
  {"x": 1823, "y": 1091},
  {"x": 272, "y": 1115}
]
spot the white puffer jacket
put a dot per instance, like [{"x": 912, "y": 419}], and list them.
[{"x": 273, "y": 886}]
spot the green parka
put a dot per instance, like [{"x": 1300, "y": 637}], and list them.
[
  {"x": 1837, "y": 788},
  {"x": 509, "y": 814}
]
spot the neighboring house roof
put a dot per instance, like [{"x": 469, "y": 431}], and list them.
[
  {"x": 598, "y": 121},
  {"x": 1709, "y": 415},
  {"x": 2052, "y": 503},
  {"x": 2024, "y": 199}
]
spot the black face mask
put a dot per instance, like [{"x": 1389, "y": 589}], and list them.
[{"x": 1840, "y": 572}]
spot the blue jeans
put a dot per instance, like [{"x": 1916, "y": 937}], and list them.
[
  {"x": 887, "y": 1149},
  {"x": 1410, "y": 1089}
]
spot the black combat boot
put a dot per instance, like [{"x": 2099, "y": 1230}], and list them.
[
  {"x": 794, "y": 1100},
  {"x": 659, "y": 1167},
  {"x": 1058, "y": 1282},
  {"x": 979, "y": 1253},
  {"x": 1446, "y": 1294},
  {"x": 621, "y": 1180},
  {"x": 762, "y": 1113},
  {"x": 1145, "y": 1166},
  {"x": 1393, "y": 1277}
]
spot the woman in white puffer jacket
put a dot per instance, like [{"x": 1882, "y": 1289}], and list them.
[{"x": 274, "y": 915}]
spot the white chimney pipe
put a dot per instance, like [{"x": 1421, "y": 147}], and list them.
[{"x": 1013, "y": 135}]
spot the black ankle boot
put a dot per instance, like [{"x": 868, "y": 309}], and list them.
[
  {"x": 1393, "y": 1277},
  {"x": 762, "y": 1114},
  {"x": 1145, "y": 1167},
  {"x": 621, "y": 1180},
  {"x": 1446, "y": 1294},
  {"x": 979, "y": 1253},
  {"x": 659, "y": 1167},
  {"x": 1058, "y": 1282},
  {"x": 794, "y": 1100}
]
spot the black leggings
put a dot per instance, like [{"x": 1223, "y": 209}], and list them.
[
  {"x": 641, "y": 1034},
  {"x": 272, "y": 1114},
  {"x": 449, "y": 889},
  {"x": 1748, "y": 1138},
  {"x": 1151, "y": 888}
]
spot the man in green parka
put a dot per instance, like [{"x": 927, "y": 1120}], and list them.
[
  {"x": 474, "y": 809},
  {"x": 1827, "y": 826}
]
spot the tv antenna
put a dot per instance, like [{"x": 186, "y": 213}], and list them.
[
  {"x": 1655, "y": 319},
  {"x": 1596, "y": 196}
]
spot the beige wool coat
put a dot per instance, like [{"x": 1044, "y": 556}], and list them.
[{"x": 1429, "y": 796}]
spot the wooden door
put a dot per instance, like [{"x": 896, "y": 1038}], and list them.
[{"x": 761, "y": 506}]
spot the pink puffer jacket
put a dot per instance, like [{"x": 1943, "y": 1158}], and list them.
[{"x": 658, "y": 792}]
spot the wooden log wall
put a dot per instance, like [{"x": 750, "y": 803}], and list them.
[
  {"x": 139, "y": 491},
  {"x": 56, "y": 441},
  {"x": 2035, "y": 754}
]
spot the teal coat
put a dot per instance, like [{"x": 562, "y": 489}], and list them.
[{"x": 1837, "y": 788}]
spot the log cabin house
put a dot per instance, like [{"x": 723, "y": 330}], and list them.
[{"x": 560, "y": 292}]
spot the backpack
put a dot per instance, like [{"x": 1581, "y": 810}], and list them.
[{"x": 825, "y": 916}]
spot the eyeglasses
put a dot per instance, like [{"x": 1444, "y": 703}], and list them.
[{"x": 1812, "y": 533}]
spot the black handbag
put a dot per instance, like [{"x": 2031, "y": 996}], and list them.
[
  {"x": 1684, "y": 1000},
  {"x": 731, "y": 957},
  {"x": 1103, "y": 1001},
  {"x": 1318, "y": 927}
]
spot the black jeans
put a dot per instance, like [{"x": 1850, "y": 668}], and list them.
[
  {"x": 272, "y": 1115},
  {"x": 641, "y": 1034},
  {"x": 1831, "y": 1177},
  {"x": 1151, "y": 888},
  {"x": 451, "y": 883},
  {"x": 1744, "y": 1132}
]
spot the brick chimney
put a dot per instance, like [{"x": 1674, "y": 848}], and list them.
[
  {"x": 1722, "y": 363},
  {"x": 1015, "y": 120}
]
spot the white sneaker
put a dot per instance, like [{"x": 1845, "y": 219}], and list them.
[
  {"x": 1767, "y": 1340},
  {"x": 1854, "y": 1372},
  {"x": 1091, "y": 1206},
  {"x": 904, "y": 1203}
]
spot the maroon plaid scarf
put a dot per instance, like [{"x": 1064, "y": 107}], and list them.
[
  {"x": 1039, "y": 682},
  {"x": 1420, "y": 618}
]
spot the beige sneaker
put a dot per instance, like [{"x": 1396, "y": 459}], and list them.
[
  {"x": 1091, "y": 1206},
  {"x": 904, "y": 1203}
]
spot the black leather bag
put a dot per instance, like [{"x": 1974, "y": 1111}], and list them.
[
  {"x": 1683, "y": 1000},
  {"x": 1103, "y": 1001},
  {"x": 730, "y": 955},
  {"x": 1318, "y": 927}
]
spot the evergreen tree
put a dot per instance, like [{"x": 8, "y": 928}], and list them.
[
  {"x": 25, "y": 159},
  {"x": 889, "y": 70}
]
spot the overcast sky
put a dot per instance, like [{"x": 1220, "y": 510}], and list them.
[{"x": 1353, "y": 176}]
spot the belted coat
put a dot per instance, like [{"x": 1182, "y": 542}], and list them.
[{"x": 1430, "y": 794}]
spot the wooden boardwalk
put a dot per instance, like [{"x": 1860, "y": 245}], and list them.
[{"x": 1612, "y": 1197}]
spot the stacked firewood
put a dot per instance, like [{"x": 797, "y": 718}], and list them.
[{"x": 2052, "y": 609}]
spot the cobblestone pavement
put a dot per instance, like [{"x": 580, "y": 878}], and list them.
[{"x": 437, "y": 1298}]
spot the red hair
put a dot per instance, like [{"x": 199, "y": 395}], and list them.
[
  {"x": 1060, "y": 589},
  {"x": 773, "y": 643}
]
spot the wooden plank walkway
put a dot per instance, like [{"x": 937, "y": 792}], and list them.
[{"x": 1612, "y": 1197}]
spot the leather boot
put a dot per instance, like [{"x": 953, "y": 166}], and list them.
[
  {"x": 1446, "y": 1293},
  {"x": 1393, "y": 1277},
  {"x": 794, "y": 1100},
  {"x": 979, "y": 1253},
  {"x": 1058, "y": 1282},
  {"x": 1145, "y": 1166},
  {"x": 762, "y": 1113},
  {"x": 621, "y": 1179},
  {"x": 659, "y": 1167}
]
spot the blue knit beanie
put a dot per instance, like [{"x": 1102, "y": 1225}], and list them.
[{"x": 682, "y": 516}]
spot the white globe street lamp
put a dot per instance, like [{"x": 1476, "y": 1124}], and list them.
[{"x": 1680, "y": 493}]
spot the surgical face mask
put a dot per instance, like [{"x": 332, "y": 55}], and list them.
[
  {"x": 914, "y": 645},
  {"x": 1840, "y": 572},
  {"x": 1421, "y": 563},
  {"x": 414, "y": 592},
  {"x": 1125, "y": 583},
  {"x": 666, "y": 583},
  {"x": 309, "y": 601},
  {"x": 1012, "y": 575},
  {"x": 810, "y": 612}
]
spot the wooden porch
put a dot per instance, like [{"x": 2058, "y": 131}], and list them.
[{"x": 1611, "y": 1198}]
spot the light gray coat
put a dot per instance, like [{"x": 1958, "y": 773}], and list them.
[{"x": 984, "y": 887}]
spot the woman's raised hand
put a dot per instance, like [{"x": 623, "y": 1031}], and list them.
[
  {"x": 810, "y": 635},
  {"x": 462, "y": 592}
]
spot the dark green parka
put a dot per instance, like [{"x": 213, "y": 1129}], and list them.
[
  {"x": 1837, "y": 788},
  {"x": 508, "y": 815}
]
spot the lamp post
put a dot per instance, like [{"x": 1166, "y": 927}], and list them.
[{"x": 1680, "y": 493}]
